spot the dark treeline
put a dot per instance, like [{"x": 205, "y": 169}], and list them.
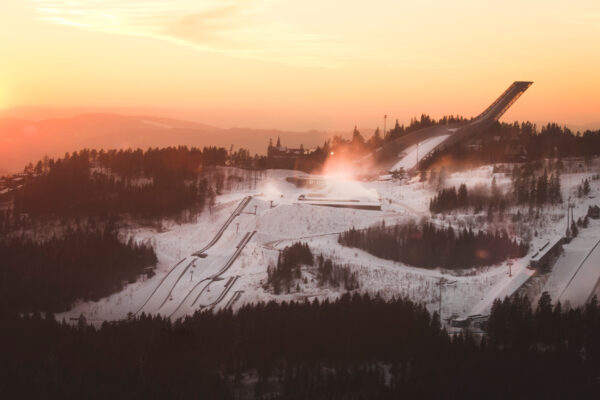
[
  {"x": 85, "y": 263},
  {"x": 505, "y": 142},
  {"x": 528, "y": 187},
  {"x": 287, "y": 274},
  {"x": 356, "y": 347},
  {"x": 535, "y": 189},
  {"x": 584, "y": 188},
  {"x": 172, "y": 162},
  {"x": 513, "y": 323},
  {"x": 175, "y": 162},
  {"x": 288, "y": 268},
  {"x": 152, "y": 184},
  {"x": 357, "y": 145},
  {"x": 449, "y": 199},
  {"x": 427, "y": 246},
  {"x": 415, "y": 124},
  {"x": 335, "y": 275}
]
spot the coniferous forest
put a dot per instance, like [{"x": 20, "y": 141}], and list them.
[
  {"x": 287, "y": 274},
  {"x": 357, "y": 347},
  {"x": 151, "y": 184},
  {"x": 82, "y": 263},
  {"x": 529, "y": 187},
  {"x": 428, "y": 246},
  {"x": 510, "y": 142}
]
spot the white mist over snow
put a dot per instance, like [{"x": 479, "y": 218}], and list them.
[
  {"x": 270, "y": 191},
  {"x": 349, "y": 189}
]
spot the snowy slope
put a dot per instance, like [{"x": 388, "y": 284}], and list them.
[
  {"x": 416, "y": 152},
  {"x": 279, "y": 221}
]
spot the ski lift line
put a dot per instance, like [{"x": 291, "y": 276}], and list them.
[{"x": 159, "y": 285}]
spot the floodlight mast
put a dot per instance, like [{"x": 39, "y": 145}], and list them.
[{"x": 384, "y": 121}]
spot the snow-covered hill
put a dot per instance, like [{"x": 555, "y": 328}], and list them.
[{"x": 184, "y": 283}]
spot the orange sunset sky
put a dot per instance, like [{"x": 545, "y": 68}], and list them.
[{"x": 301, "y": 64}]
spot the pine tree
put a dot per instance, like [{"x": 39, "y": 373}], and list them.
[
  {"x": 463, "y": 196},
  {"x": 586, "y": 187}
]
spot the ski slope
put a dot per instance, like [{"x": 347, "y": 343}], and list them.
[
  {"x": 575, "y": 274},
  {"x": 274, "y": 219},
  {"x": 166, "y": 286}
]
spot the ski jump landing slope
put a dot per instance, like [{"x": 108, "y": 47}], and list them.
[
  {"x": 193, "y": 298},
  {"x": 163, "y": 291},
  {"x": 401, "y": 152}
]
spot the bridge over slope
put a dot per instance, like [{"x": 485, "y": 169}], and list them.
[{"x": 402, "y": 152}]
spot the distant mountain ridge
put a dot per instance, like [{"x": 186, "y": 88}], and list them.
[{"x": 23, "y": 141}]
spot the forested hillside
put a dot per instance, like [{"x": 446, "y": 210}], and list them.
[
  {"x": 356, "y": 347},
  {"x": 153, "y": 184},
  {"x": 86, "y": 263},
  {"x": 425, "y": 245}
]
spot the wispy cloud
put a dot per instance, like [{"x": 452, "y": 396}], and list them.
[{"x": 238, "y": 28}]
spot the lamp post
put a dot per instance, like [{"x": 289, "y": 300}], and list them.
[
  {"x": 384, "y": 120},
  {"x": 567, "y": 232},
  {"x": 418, "y": 143}
]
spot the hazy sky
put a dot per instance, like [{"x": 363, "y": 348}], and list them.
[{"x": 301, "y": 64}]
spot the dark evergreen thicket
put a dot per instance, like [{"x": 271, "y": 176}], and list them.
[
  {"x": 535, "y": 189},
  {"x": 288, "y": 271},
  {"x": 449, "y": 199},
  {"x": 288, "y": 268},
  {"x": 528, "y": 187},
  {"x": 151, "y": 184},
  {"x": 505, "y": 142},
  {"x": 357, "y": 347},
  {"x": 514, "y": 324},
  {"x": 83, "y": 263},
  {"x": 425, "y": 245},
  {"x": 415, "y": 124},
  {"x": 335, "y": 275}
]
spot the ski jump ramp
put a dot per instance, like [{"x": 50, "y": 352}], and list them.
[{"x": 402, "y": 152}]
